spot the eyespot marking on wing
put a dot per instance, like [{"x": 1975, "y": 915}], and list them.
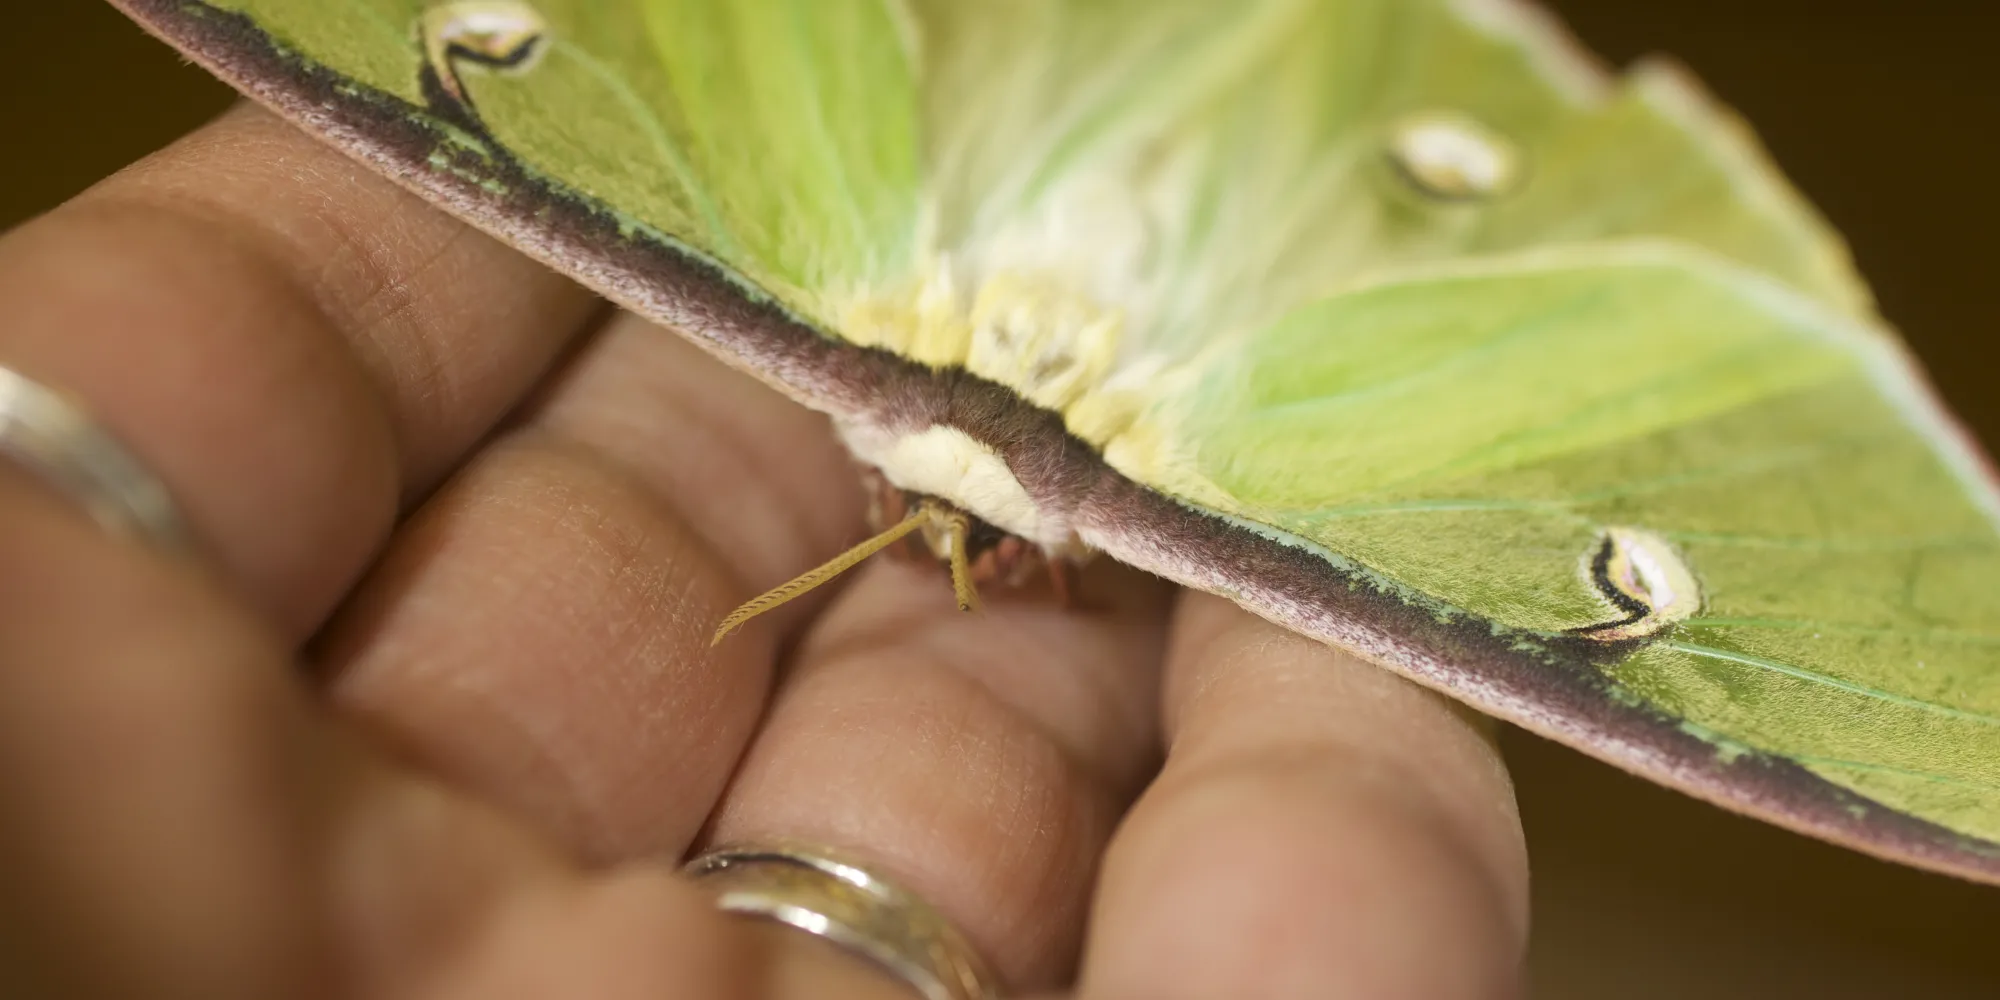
[
  {"x": 1640, "y": 574},
  {"x": 1449, "y": 157},
  {"x": 505, "y": 35}
]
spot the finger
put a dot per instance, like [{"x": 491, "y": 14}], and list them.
[
  {"x": 980, "y": 760},
  {"x": 639, "y": 934},
  {"x": 292, "y": 343},
  {"x": 125, "y": 814},
  {"x": 180, "y": 821},
  {"x": 539, "y": 632},
  {"x": 1321, "y": 828}
]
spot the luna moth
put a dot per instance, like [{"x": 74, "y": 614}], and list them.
[{"x": 1399, "y": 322}]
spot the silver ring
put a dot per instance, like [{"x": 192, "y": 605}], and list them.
[
  {"x": 826, "y": 896},
  {"x": 54, "y": 438}
]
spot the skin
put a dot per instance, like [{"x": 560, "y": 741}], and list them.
[{"x": 434, "y": 713}]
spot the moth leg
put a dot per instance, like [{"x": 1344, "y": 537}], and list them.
[
  {"x": 1006, "y": 563},
  {"x": 1062, "y": 580},
  {"x": 957, "y": 529}
]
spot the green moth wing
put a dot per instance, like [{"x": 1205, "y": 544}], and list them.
[
  {"x": 1395, "y": 320},
  {"x": 1833, "y": 540}
]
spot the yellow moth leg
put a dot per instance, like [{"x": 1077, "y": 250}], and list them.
[{"x": 957, "y": 528}]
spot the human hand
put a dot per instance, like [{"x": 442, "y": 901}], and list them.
[{"x": 436, "y": 715}]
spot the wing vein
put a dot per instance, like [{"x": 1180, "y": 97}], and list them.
[{"x": 1834, "y": 682}]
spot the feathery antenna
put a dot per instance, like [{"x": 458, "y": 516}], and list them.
[{"x": 957, "y": 529}]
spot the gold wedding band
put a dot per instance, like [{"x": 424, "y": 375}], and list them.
[
  {"x": 826, "y": 896},
  {"x": 57, "y": 440}
]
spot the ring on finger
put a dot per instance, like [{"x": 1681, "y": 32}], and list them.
[
  {"x": 54, "y": 438},
  {"x": 816, "y": 891}
]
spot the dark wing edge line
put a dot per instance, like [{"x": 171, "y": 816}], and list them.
[
  {"x": 415, "y": 147},
  {"x": 1549, "y": 685}
]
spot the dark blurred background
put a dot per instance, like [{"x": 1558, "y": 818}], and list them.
[{"x": 1887, "y": 114}]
